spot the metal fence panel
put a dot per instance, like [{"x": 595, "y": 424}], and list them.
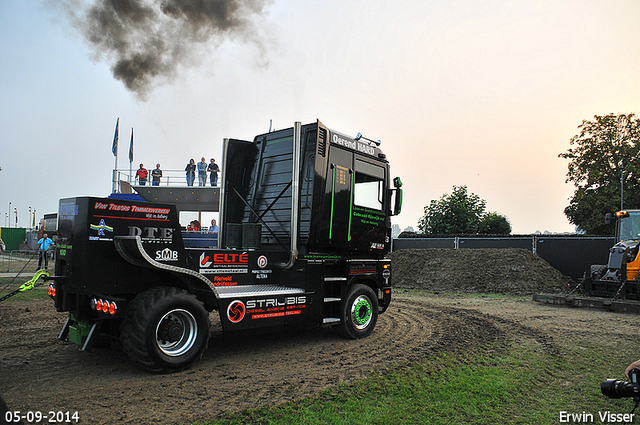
[
  {"x": 423, "y": 243},
  {"x": 572, "y": 256},
  {"x": 524, "y": 243}
]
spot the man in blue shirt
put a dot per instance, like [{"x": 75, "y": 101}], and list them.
[
  {"x": 202, "y": 172},
  {"x": 44, "y": 245}
]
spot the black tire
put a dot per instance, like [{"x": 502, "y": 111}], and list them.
[
  {"x": 165, "y": 330},
  {"x": 358, "y": 313},
  {"x": 597, "y": 271}
]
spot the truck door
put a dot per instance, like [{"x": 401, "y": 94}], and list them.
[
  {"x": 337, "y": 201},
  {"x": 368, "y": 217}
]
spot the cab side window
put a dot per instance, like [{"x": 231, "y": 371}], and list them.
[{"x": 368, "y": 188}]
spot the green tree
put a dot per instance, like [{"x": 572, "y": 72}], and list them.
[
  {"x": 598, "y": 152},
  {"x": 458, "y": 213},
  {"x": 493, "y": 223}
]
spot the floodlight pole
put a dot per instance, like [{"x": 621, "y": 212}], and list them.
[{"x": 622, "y": 185}]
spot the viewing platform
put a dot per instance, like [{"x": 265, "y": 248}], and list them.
[{"x": 171, "y": 190}]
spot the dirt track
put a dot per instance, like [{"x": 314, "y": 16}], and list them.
[{"x": 41, "y": 373}]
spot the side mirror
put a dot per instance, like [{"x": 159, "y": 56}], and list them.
[
  {"x": 397, "y": 205},
  {"x": 607, "y": 218}
]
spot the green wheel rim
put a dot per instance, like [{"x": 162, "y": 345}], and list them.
[{"x": 361, "y": 312}]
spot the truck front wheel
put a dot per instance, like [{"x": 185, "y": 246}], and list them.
[
  {"x": 359, "y": 312},
  {"x": 165, "y": 329}
]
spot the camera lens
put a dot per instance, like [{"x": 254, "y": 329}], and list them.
[{"x": 618, "y": 389}]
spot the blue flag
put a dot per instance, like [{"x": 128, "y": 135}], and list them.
[
  {"x": 114, "y": 148},
  {"x": 131, "y": 147}
]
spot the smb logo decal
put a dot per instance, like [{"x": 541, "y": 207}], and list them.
[{"x": 166, "y": 255}]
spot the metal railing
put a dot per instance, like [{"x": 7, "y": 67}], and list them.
[
  {"x": 170, "y": 177},
  {"x": 23, "y": 261}
]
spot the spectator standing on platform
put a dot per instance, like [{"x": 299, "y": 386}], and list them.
[
  {"x": 155, "y": 176},
  {"x": 202, "y": 172},
  {"x": 191, "y": 172},
  {"x": 214, "y": 227},
  {"x": 213, "y": 169},
  {"x": 43, "y": 247},
  {"x": 142, "y": 175}
]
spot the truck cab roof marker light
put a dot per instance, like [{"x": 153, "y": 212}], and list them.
[{"x": 375, "y": 142}]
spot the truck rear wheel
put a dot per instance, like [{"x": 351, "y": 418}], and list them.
[
  {"x": 165, "y": 329},
  {"x": 359, "y": 312}
]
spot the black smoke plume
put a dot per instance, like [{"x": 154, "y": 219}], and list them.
[{"x": 147, "y": 41}]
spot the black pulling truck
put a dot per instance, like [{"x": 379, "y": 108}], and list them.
[{"x": 304, "y": 230}]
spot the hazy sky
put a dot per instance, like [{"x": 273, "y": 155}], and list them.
[{"x": 478, "y": 93}]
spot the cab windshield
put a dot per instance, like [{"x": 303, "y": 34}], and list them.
[{"x": 630, "y": 227}]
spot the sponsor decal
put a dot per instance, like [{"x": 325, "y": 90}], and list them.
[
  {"x": 261, "y": 274},
  {"x": 224, "y": 281},
  {"x": 369, "y": 216},
  {"x": 377, "y": 245},
  {"x": 152, "y": 234},
  {"x": 204, "y": 260},
  {"x": 267, "y": 308},
  {"x": 153, "y": 211},
  {"x": 166, "y": 255},
  {"x": 68, "y": 210},
  {"x": 363, "y": 268},
  {"x": 224, "y": 263},
  {"x": 270, "y": 312},
  {"x": 262, "y": 261},
  {"x": 274, "y": 302},
  {"x": 353, "y": 144},
  {"x": 236, "y": 311},
  {"x": 101, "y": 227}
]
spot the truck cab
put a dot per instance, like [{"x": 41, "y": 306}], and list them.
[
  {"x": 619, "y": 277},
  {"x": 305, "y": 225}
]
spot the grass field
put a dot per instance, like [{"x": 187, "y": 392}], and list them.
[
  {"x": 512, "y": 384},
  {"x": 491, "y": 385}
]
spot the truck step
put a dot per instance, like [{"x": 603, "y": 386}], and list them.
[
  {"x": 256, "y": 291},
  {"x": 328, "y": 320},
  {"x": 335, "y": 279}
]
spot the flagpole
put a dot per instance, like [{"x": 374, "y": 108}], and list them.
[
  {"x": 114, "y": 149},
  {"x": 131, "y": 156}
]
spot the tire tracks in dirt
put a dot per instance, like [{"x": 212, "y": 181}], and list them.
[{"x": 235, "y": 373}]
